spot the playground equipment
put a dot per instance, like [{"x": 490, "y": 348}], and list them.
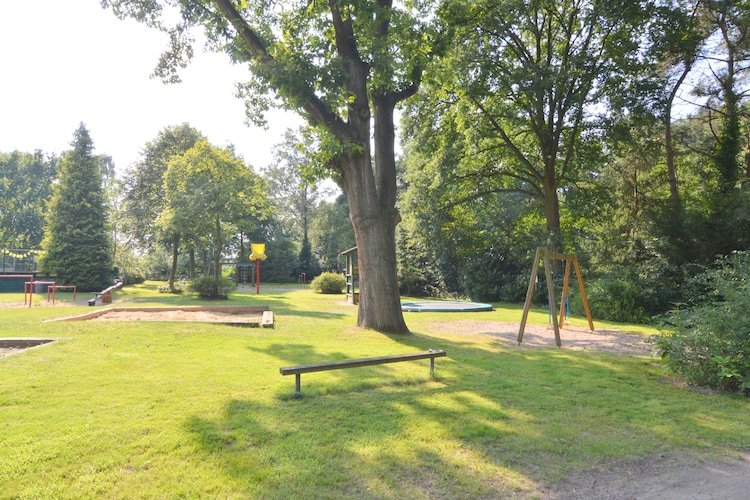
[
  {"x": 445, "y": 306},
  {"x": 542, "y": 254},
  {"x": 351, "y": 273},
  {"x": 30, "y": 277},
  {"x": 54, "y": 288},
  {"x": 29, "y": 286},
  {"x": 258, "y": 254},
  {"x": 105, "y": 296},
  {"x": 297, "y": 371},
  {"x": 243, "y": 273}
]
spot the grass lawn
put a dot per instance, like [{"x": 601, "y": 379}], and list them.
[{"x": 194, "y": 410}]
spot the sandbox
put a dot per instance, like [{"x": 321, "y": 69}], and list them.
[
  {"x": 255, "y": 316},
  {"x": 10, "y": 346}
]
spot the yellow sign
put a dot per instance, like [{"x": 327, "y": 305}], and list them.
[{"x": 258, "y": 251}]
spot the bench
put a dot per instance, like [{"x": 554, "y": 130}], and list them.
[
  {"x": 354, "y": 363},
  {"x": 105, "y": 296}
]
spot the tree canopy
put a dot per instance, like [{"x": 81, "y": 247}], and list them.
[
  {"x": 522, "y": 90},
  {"x": 207, "y": 191},
  {"x": 25, "y": 186}
]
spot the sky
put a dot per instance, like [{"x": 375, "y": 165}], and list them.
[{"x": 67, "y": 62}]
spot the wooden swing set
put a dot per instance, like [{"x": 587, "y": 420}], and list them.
[{"x": 543, "y": 255}]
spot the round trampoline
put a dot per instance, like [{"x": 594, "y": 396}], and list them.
[{"x": 445, "y": 306}]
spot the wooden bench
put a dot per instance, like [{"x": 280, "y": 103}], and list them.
[
  {"x": 105, "y": 295},
  {"x": 353, "y": 363}
]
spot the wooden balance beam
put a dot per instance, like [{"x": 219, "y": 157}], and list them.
[{"x": 354, "y": 363}]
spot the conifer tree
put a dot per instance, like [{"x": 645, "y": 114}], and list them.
[{"x": 77, "y": 245}]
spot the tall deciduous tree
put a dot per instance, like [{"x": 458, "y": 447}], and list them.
[
  {"x": 527, "y": 80},
  {"x": 722, "y": 77},
  {"x": 25, "y": 186},
  {"x": 294, "y": 197},
  {"x": 729, "y": 64},
  {"x": 207, "y": 190},
  {"x": 676, "y": 50},
  {"x": 77, "y": 244},
  {"x": 343, "y": 65},
  {"x": 144, "y": 197},
  {"x": 331, "y": 232}
]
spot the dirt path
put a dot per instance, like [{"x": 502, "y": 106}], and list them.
[{"x": 661, "y": 478}]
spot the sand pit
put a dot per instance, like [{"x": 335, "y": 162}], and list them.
[
  {"x": 228, "y": 315},
  {"x": 10, "y": 346}
]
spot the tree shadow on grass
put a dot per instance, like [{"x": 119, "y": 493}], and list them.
[
  {"x": 498, "y": 422},
  {"x": 344, "y": 446}
]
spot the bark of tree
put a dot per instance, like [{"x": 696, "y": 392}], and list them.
[
  {"x": 175, "y": 254},
  {"x": 674, "y": 193},
  {"x": 191, "y": 272},
  {"x": 217, "y": 248},
  {"x": 746, "y": 165}
]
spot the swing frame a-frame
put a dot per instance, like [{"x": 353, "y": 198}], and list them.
[{"x": 545, "y": 256}]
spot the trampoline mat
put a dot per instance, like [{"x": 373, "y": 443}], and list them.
[{"x": 445, "y": 306}]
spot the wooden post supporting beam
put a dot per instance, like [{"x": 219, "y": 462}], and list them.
[
  {"x": 583, "y": 293},
  {"x": 529, "y": 293},
  {"x": 546, "y": 256},
  {"x": 551, "y": 293}
]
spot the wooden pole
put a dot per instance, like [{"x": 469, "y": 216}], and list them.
[
  {"x": 551, "y": 292},
  {"x": 257, "y": 276},
  {"x": 566, "y": 280},
  {"x": 583, "y": 293},
  {"x": 530, "y": 292}
]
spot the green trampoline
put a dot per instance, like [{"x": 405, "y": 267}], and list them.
[{"x": 445, "y": 306}]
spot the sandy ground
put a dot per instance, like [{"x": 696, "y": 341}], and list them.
[
  {"x": 181, "y": 315},
  {"x": 572, "y": 337},
  {"x": 653, "y": 478}
]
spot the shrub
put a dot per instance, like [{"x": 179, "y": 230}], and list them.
[
  {"x": 177, "y": 289},
  {"x": 618, "y": 296},
  {"x": 328, "y": 283},
  {"x": 208, "y": 287},
  {"x": 709, "y": 343},
  {"x": 130, "y": 276}
]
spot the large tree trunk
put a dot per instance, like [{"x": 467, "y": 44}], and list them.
[
  {"x": 552, "y": 217},
  {"x": 191, "y": 272},
  {"x": 379, "y": 299},
  {"x": 217, "y": 248},
  {"x": 746, "y": 164},
  {"x": 175, "y": 254},
  {"x": 552, "y": 210},
  {"x": 674, "y": 193}
]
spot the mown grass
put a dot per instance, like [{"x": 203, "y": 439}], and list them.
[{"x": 172, "y": 410}]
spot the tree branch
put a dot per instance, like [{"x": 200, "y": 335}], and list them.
[{"x": 309, "y": 102}]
